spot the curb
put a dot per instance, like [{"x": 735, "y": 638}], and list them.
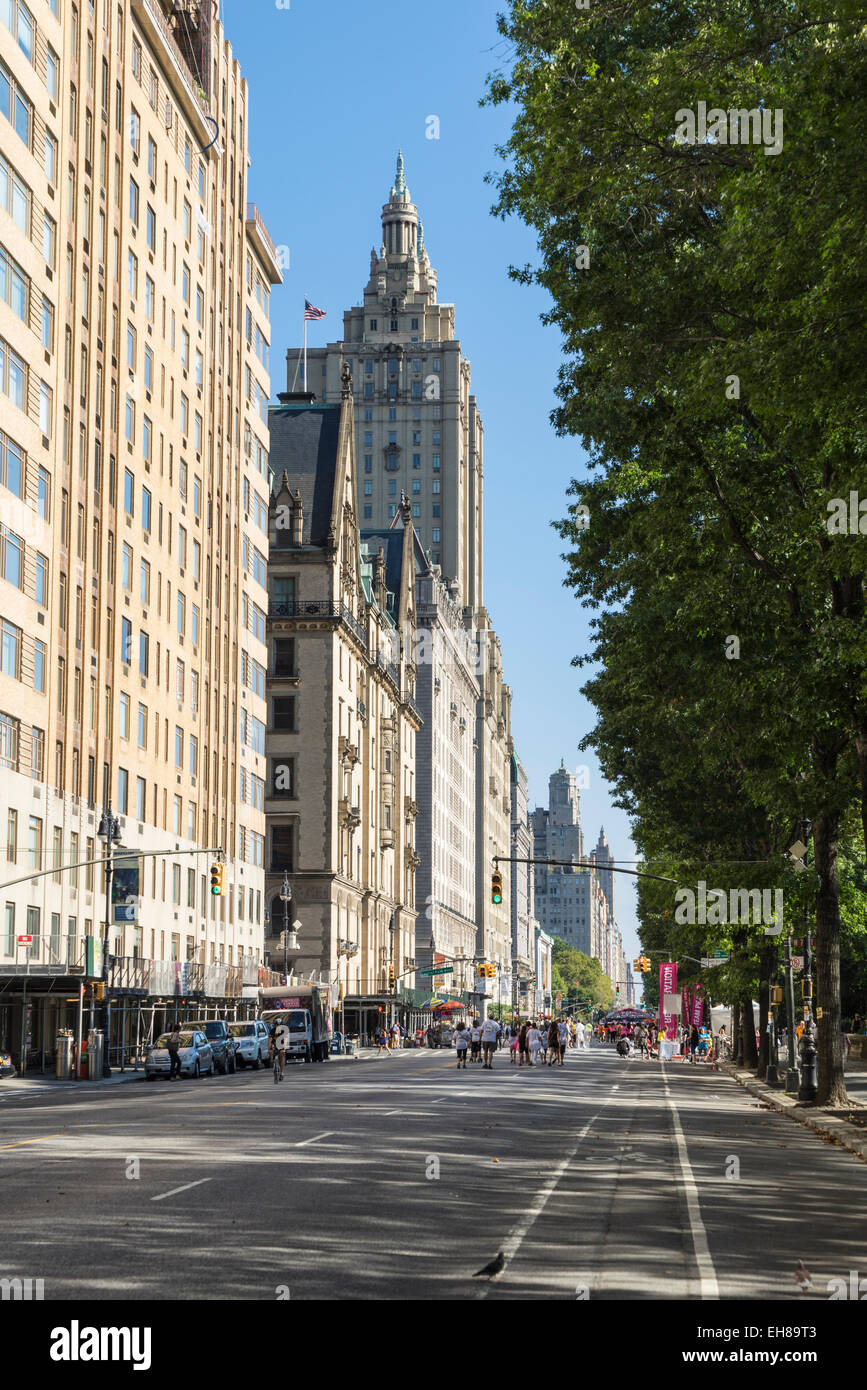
[{"x": 847, "y": 1136}]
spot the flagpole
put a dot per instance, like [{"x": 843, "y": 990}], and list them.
[{"x": 306, "y": 387}]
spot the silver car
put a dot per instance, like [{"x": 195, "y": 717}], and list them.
[
  {"x": 252, "y": 1040},
  {"x": 194, "y": 1053}
]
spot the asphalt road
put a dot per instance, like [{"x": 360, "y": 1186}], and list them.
[{"x": 397, "y": 1178}]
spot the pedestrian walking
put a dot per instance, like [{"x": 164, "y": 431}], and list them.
[
  {"x": 523, "y": 1045},
  {"x": 462, "y": 1042},
  {"x": 579, "y": 1036},
  {"x": 693, "y": 1044},
  {"x": 381, "y": 1040},
  {"x": 490, "y": 1029},
  {"x": 513, "y": 1046},
  {"x": 174, "y": 1045},
  {"x": 564, "y": 1035},
  {"x": 476, "y": 1041},
  {"x": 395, "y": 1035},
  {"x": 543, "y": 1041},
  {"x": 534, "y": 1042},
  {"x": 641, "y": 1041}
]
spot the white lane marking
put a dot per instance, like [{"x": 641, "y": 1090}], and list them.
[
  {"x": 708, "y": 1286},
  {"x": 325, "y": 1135},
  {"x": 424, "y": 1113},
  {"x": 615, "y": 1088},
  {"x": 513, "y": 1242},
  {"x": 175, "y": 1190}
]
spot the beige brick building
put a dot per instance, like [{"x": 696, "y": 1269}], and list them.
[{"x": 134, "y": 379}]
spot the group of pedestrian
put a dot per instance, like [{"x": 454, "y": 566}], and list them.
[
  {"x": 480, "y": 1039},
  {"x": 388, "y": 1038}
]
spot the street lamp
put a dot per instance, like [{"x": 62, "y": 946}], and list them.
[
  {"x": 286, "y": 898},
  {"x": 109, "y": 833}
]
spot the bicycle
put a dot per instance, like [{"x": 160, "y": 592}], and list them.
[{"x": 276, "y": 1066}]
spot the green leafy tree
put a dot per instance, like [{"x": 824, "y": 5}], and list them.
[{"x": 710, "y": 299}]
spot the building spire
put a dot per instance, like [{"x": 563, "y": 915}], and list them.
[
  {"x": 400, "y": 189},
  {"x": 421, "y": 246}
]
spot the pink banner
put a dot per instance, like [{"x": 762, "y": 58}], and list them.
[
  {"x": 697, "y": 1015},
  {"x": 667, "y": 985}
]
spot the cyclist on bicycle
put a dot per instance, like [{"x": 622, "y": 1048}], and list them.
[{"x": 277, "y": 1040}]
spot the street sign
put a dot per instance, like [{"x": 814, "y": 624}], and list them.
[
  {"x": 797, "y": 962},
  {"x": 707, "y": 962},
  {"x": 25, "y": 941},
  {"x": 438, "y": 970},
  {"x": 720, "y": 955}
]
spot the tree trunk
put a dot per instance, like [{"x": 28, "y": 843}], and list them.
[
  {"x": 832, "y": 1086},
  {"x": 861, "y": 747},
  {"x": 766, "y": 962},
  {"x": 737, "y": 1048},
  {"x": 748, "y": 1034}
]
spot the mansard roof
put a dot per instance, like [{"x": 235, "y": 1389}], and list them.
[{"x": 304, "y": 439}]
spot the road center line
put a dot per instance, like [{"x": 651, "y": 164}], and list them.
[
  {"x": 708, "y": 1286},
  {"x": 319, "y": 1136},
  {"x": 19, "y": 1143},
  {"x": 175, "y": 1190}
]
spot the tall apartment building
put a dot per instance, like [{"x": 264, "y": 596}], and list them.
[
  {"x": 419, "y": 436},
  {"x": 134, "y": 377},
  {"x": 561, "y": 893},
  {"x": 418, "y": 427},
  {"x": 575, "y": 904},
  {"x": 522, "y": 884},
  {"x": 448, "y": 695},
  {"x": 493, "y": 812},
  {"x": 343, "y": 722}
]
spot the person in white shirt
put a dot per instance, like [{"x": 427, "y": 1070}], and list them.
[
  {"x": 534, "y": 1039},
  {"x": 490, "y": 1032},
  {"x": 476, "y": 1041},
  {"x": 579, "y": 1034},
  {"x": 563, "y": 1033},
  {"x": 462, "y": 1042}
]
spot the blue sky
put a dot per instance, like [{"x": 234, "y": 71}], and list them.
[{"x": 336, "y": 88}]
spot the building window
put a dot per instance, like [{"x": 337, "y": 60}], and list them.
[
  {"x": 282, "y": 848},
  {"x": 368, "y": 512},
  {"x": 368, "y": 487},
  {"x": 416, "y": 460},
  {"x": 284, "y": 713}
]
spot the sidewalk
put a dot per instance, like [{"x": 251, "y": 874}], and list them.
[
  {"x": 17, "y": 1085},
  {"x": 824, "y": 1122}
]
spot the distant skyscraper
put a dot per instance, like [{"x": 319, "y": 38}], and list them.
[
  {"x": 418, "y": 428},
  {"x": 574, "y": 904}
]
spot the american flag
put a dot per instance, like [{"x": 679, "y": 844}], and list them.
[{"x": 312, "y": 313}]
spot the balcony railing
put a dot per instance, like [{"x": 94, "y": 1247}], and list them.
[
  {"x": 254, "y": 215},
  {"x": 181, "y": 978},
  {"x": 318, "y": 608}
]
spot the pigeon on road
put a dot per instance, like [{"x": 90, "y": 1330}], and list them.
[
  {"x": 803, "y": 1277},
  {"x": 493, "y": 1269}
]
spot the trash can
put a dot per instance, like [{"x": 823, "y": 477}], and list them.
[
  {"x": 349, "y": 1046},
  {"x": 95, "y": 1041},
  {"x": 63, "y": 1048}
]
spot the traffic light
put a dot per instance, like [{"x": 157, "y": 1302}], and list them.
[
  {"x": 491, "y": 971},
  {"x": 97, "y": 991},
  {"x": 217, "y": 871},
  {"x": 617, "y": 992},
  {"x": 496, "y": 888},
  {"x": 391, "y": 977}
]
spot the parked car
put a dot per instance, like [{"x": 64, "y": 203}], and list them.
[
  {"x": 7, "y": 1066},
  {"x": 252, "y": 1038},
  {"x": 223, "y": 1044},
  {"x": 195, "y": 1055}
]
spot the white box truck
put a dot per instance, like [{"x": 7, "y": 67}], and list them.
[{"x": 305, "y": 1012}]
